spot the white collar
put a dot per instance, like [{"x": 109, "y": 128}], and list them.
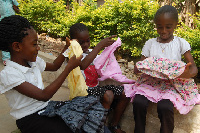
[{"x": 15, "y": 65}]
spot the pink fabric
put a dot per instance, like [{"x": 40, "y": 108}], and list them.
[
  {"x": 107, "y": 66},
  {"x": 183, "y": 93},
  {"x": 161, "y": 67}
]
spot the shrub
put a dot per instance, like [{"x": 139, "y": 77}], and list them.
[
  {"x": 45, "y": 15},
  {"x": 192, "y": 36},
  {"x": 131, "y": 20}
]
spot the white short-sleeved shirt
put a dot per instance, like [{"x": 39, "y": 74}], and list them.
[
  {"x": 13, "y": 75},
  {"x": 172, "y": 50}
]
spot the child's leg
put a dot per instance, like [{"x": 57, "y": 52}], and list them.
[
  {"x": 35, "y": 123},
  {"x": 140, "y": 105},
  {"x": 120, "y": 108},
  {"x": 107, "y": 99},
  {"x": 165, "y": 110},
  {"x": 118, "y": 112}
]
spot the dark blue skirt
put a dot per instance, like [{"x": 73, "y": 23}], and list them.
[{"x": 81, "y": 113}]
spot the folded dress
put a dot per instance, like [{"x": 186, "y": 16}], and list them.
[
  {"x": 84, "y": 113},
  {"x": 107, "y": 66},
  {"x": 76, "y": 81},
  {"x": 159, "y": 81}
]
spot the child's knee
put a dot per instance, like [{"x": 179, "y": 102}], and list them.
[
  {"x": 108, "y": 97},
  {"x": 124, "y": 98},
  {"x": 140, "y": 101},
  {"x": 165, "y": 106}
]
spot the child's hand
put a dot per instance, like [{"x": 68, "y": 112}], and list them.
[
  {"x": 107, "y": 41},
  {"x": 67, "y": 40},
  {"x": 74, "y": 62},
  {"x": 186, "y": 73}
]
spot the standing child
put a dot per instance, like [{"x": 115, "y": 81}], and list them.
[
  {"x": 7, "y": 8},
  {"x": 21, "y": 82},
  {"x": 167, "y": 80},
  {"x": 107, "y": 93}
]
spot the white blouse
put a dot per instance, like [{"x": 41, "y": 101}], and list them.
[
  {"x": 172, "y": 50},
  {"x": 13, "y": 75}
]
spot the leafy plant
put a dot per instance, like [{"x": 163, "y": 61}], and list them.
[
  {"x": 192, "y": 36},
  {"x": 131, "y": 20}
]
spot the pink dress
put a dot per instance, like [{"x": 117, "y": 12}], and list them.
[
  {"x": 159, "y": 81},
  {"x": 107, "y": 66}
]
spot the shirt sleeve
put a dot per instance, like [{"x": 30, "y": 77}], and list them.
[
  {"x": 146, "y": 48},
  {"x": 185, "y": 46},
  {"x": 15, "y": 2},
  {"x": 10, "y": 78},
  {"x": 41, "y": 64}
]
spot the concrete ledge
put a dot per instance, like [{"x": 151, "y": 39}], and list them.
[{"x": 189, "y": 123}]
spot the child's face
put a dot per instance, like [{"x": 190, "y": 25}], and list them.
[
  {"x": 29, "y": 46},
  {"x": 165, "y": 25},
  {"x": 84, "y": 40}
]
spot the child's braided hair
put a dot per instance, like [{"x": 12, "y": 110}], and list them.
[
  {"x": 77, "y": 28},
  {"x": 12, "y": 29},
  {"x": 167, "y": 9}
]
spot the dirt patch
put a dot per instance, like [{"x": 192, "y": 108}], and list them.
[{"x": 50, "y": 45}]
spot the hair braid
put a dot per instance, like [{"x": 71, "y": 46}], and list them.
[
  {"x": 12, "y": 29},
  {"x": 76, "y": 28}
]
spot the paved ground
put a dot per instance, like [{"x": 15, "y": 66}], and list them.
[{"x": 7, "y": 123}]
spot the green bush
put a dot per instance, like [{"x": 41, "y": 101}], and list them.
[
  {"x": 130, "y": 20},
  {"x": 192, "y": 36},
  {"x": 45, "y": 15}
]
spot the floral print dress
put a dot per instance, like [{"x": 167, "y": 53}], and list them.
[{"x": 159, "y": 81}]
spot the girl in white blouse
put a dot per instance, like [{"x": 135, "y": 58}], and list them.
[{"x": 166, "y": 46}]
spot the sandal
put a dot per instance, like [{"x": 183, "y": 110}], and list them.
[{"x": 116, "y": 129}]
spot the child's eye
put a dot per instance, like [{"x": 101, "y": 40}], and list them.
[
  {"x": 35, "y": 44},
  {"x": 81, "y": 43},
  {"x": 159, "y": 27}
]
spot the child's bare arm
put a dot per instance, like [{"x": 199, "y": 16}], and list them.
[
  {"x": 91, "y": 56},
  {"x": 136, "y": 71},
  {"x": 59, "y": 60},
  {"x": 190, "y": 69},
  {"x": 32, "y": 91}
]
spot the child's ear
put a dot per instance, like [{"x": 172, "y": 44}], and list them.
[{"x": 16, "y": 46}]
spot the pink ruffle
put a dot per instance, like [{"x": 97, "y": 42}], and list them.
[{"x": 155, "y": 95}]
